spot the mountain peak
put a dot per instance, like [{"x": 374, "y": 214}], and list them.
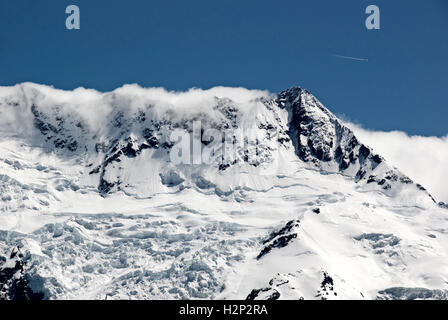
[
  {"x": 323, "y": 140},
  {"x": 114, "y": 131}
]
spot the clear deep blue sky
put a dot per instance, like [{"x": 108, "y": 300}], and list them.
[{"x": 259, "y": 44}]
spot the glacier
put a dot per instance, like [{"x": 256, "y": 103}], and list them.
[{"x": 92, "y": 207}]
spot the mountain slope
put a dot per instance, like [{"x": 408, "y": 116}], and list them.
[{"x": 220, "y": 193}]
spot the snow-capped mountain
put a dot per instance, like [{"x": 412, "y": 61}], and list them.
[{"x": 224, "y": 193}]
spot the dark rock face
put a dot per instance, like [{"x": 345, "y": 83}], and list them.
[
  {"x": 379, "y": 240},
  {"x": 280, "y": 242},
  {"x": 128, "y": 148},
  {"x": 319, "y": 137},
  {"x": 389, "y": 178},
  {"x": 270, "y": 294},
  {"x": 326, "y": 287},
  {"x": 402, "y": 293},
  {"x": 230, "y": 112},
  {"x": 13, "y": 282},
  {"x": 443, "y": 205},
  {"x": 130, "y": 139},
  {"x": 272, "y": 291},
  {"x": 58, "y": 129},
  {"x": 280, "y": 238}
]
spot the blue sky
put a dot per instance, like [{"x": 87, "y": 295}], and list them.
[{"x": 259, "y": 44}]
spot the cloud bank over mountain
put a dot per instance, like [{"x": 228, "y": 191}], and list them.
[{"x": 423, "y": 159}]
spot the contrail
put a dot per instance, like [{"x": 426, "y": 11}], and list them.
[{"x": 350, "y": 58}]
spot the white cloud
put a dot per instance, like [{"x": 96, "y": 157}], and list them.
[
  {"x": 96, "y": 107},
  {"x": 423, "y": 159}
]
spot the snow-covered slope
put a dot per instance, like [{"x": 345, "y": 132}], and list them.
[{"x": 274, "y": 198}]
